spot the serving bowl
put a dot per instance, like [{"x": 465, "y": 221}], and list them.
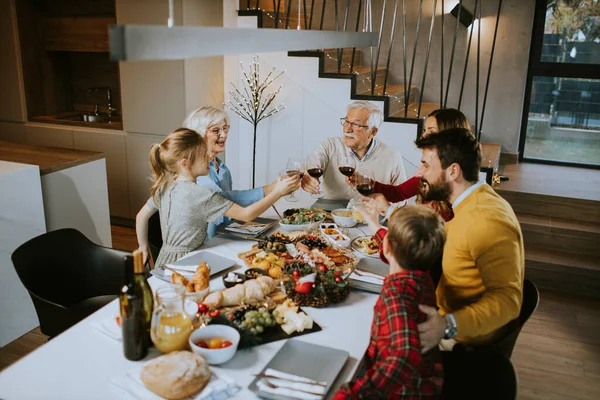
[
  {"x": 228, "y": 284},
  {"x": 343, "y": 221},
  {"x": 301, "y": 227},
  {"x": 215, "y": 356},
  {"x": 253, "y": 273}
]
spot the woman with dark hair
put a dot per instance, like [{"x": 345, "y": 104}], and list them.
[{"x": 437, "y": 121}]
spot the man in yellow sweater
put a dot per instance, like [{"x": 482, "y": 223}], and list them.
[{"x": 481, "y": 288}]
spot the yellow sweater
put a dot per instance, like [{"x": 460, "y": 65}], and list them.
[{"x": 483, "y": 264}]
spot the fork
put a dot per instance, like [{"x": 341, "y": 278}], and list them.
[{"x": 274, "y": 386}]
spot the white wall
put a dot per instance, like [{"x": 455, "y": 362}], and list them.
[{"x": 313, "y": 108}]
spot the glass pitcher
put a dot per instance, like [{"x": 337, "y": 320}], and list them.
[{"x": 171, "y": 326}]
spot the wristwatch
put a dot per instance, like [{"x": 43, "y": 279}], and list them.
[{"x": 450, "y": 332}]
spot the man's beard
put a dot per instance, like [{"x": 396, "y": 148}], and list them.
[{"x": 436, "y": 191}]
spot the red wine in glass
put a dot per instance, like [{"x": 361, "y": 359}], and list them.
[
  {"x": 366, "y": 189},
  {"x": 315, "y": 172},
  {"x": 347, "y": 171}
]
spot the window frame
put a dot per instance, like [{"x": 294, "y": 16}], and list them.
[{"x": 548, "y": 69}]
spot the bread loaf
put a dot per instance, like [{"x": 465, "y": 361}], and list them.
[
  {"x": 176, "y": 375},
  {"x": 251, "y": 291}
]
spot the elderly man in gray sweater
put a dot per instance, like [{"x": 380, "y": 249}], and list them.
[{"x": 360, "y": 126}]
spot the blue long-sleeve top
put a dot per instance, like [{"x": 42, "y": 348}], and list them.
[{"x": 221, "y": 181}]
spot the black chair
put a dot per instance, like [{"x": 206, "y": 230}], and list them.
[
  {"x": 154, "y": 235},
  {"x": 68, "y": 277},
  {"x": 475, "y": 375},
  {"x": 506, "y": 344}
]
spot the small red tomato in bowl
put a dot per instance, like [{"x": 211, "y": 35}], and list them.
[
  {"x": 337, "y": 273},
  {"x": 226, "y": 343},
  {"x": 231, "y": 317},
  {"x": 202, "y": 344},
  {"x": 323, "y": 268},
  {"x": 296, "y": 274},
  {"x": 214, "y": 313},
  {"x": 338, "y": 279},
  {"x": 202, "y": 308}
]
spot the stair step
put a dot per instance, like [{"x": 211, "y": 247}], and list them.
[
  {"x": 268, "y": 20},
  {"x": 413, "y": 109},
  {"x": 566, "y": 208},
  {"x": 364, "y": 78},
  {"x": 557, "y": 270},
  {"x": 575, "y": 237},
  {"x": 331, "y": 60},
  {"x": 544, "y": 224}
]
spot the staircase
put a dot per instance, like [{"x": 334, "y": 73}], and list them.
[
  {"x": 562, "y": 240},
  {"x": 344, "y": 63}
]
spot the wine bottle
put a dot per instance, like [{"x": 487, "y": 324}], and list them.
[
  {"x": 139, "y": 277},
  {"x": 133, "y": 319}
]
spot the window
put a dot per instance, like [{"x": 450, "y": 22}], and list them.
[{"x": 561, "y": 116}]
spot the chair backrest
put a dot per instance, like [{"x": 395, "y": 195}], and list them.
[
  {"x": 531, "y": 299},
  {"x": 65, "y": 268},
  {"x": 155, "y": 235}
]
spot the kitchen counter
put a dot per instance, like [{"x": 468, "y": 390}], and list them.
[
  {"x": 62, "y": 119},
  {"x": 49, "y": 159}
]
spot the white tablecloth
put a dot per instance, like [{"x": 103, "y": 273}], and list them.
[{"x": 81, "y": 363}]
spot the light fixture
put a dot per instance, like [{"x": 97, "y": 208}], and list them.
[
  {"x": 466, "y": 18},
  {"x": 152, "y": 42}
]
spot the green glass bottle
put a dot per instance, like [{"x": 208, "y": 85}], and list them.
[
  {"x": 133, "y": 322},
  {"x": 140, "y": 280}
]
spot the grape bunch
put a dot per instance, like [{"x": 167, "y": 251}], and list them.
[
  {"x": 313, "y": 242},
  {"x": 256, "y": 320}
]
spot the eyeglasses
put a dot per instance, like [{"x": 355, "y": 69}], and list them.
[
  {"x": 216, "y": 130},
  {"x": 355, "y": 127}
]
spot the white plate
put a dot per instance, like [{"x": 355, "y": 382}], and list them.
[{"x": 355, "y": 247}]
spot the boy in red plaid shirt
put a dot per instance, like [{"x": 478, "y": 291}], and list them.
[{"x": 394, "y": 365}]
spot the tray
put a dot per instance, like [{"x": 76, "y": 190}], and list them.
[
  {"x": 330, "y": 205},
  {"x": 309, "y": 360},
  {"x": 270, "y": 223},
  {"x": 272, "y": 334},
  {"x": 216, "y": 263}
]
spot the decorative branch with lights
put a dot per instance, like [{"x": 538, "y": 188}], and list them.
[{"x": 253, "y": 103}]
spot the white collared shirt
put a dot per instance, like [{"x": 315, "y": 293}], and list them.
[
  {"x": 372, "y": 146},
  {"x": 467, "y": 192}
]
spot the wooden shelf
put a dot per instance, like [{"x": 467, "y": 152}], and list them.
[{"x": 80, "y": 34}]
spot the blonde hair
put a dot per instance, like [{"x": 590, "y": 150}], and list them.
[
  {"x": 416, "y": 235},
  {"x": 199, "y": 120},
  {"x": 375, "y": 114},
  {"x": 180, "y": 144}
]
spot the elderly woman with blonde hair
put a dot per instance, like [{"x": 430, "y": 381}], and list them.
[{"x": 213, "y": 125}]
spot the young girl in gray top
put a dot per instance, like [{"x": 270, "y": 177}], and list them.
[{"x": 185, "y": 207}]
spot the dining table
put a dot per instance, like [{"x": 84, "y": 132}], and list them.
[{"x": 83, "y": 362}]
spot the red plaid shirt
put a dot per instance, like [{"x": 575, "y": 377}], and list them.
[{"x": 394, "y": 365}]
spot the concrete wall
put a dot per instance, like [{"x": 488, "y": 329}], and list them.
[{"x": 509, "y": 70}]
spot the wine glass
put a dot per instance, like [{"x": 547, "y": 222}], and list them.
[
  {"x": 365, "y": 182},
  {"x": 314, "y": 169},
  {"x": 294, "y": 167},
  {"x": 346, "y": 164}
]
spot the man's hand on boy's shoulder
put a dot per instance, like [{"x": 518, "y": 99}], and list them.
[{"x": 431, "y": 332}]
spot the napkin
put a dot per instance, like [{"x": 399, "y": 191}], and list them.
[
  {"x": 130, "y": 386},
  {"x": 109, "y": 327},
  {"x": 253, "y": 229},
  {"x": 291, "y": 385},
  {"x": 367, "y": 277}
]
